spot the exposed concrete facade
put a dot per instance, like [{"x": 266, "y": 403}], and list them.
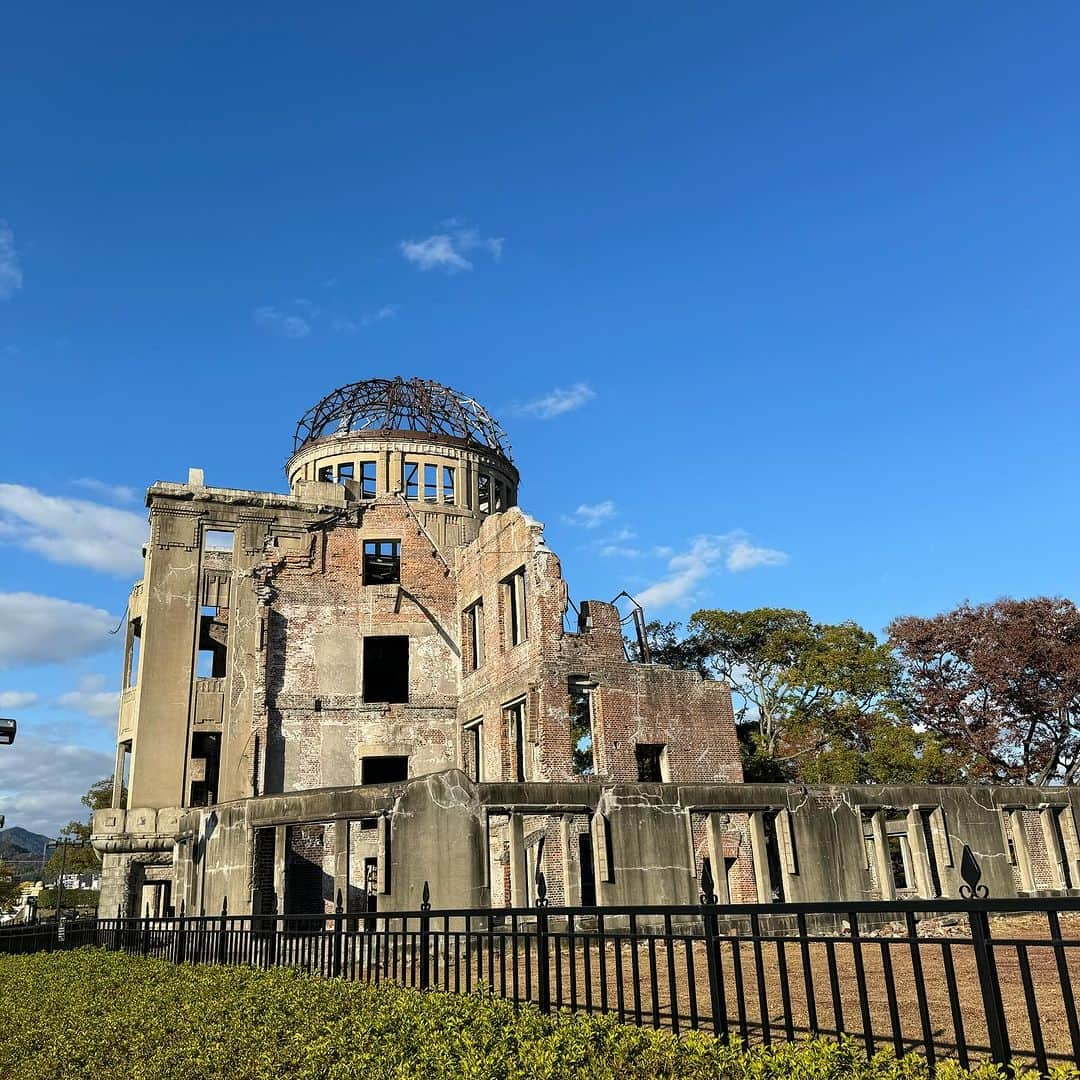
[{"x": 369, "y": 683}]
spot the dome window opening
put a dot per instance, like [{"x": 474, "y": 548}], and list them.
[
  {"x": 382, "y": 562},
  {"x": 368, "y": 482}
]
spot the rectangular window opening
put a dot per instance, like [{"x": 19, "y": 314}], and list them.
[
  {"x": 368, "y": 482},
  {"x": 497, "y": 499},
  {"x": 898, "y": 862},
  {"x": 410, "y": 479},
  {"x": 581, "y": 727},
  {"x": 346, "y": 472},
  {"x": 515, "y": 721},
  {"x": 206, "y": 757},
  {"x": 483, "y": 493},
  {"x": 650, "y": 762},
  {"x": 212, "y": 661},
  {"x": 326, "y": 474},
  {"x": 217, "y": 540},
  {"x": 517, "y": 626},
  {"x": 448, "y": 484},
  {"x": 382, "y": 562},
  {"x": 772, "y": 855},
  {"x": 131, "y": 675},
  {"x": 588, "y": 872},
  {"x": 474, "y": 750},
  {"x": 389, "y": 769},
  {"x": 386, "y": 669},
  {"x": 474, "y": 628},
  {"x": 431, "y": 483}
]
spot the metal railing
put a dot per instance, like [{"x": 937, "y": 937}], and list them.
[{"x": 969, "y": 979}]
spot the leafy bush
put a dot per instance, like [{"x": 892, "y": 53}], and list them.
[{"x": 98, "y": 1014}]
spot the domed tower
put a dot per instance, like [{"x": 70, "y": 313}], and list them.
[{"x": 413, "y": 438}]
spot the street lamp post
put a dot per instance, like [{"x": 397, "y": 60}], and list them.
[{"x": 63, "y": 844}]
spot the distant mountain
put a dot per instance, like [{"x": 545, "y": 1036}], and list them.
[{"x": 22, "y": 849}]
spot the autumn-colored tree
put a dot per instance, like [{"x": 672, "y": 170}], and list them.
[{"x": 1000, "y": 685}]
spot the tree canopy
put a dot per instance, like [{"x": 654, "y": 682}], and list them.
[{"x": 82, "y": 859}]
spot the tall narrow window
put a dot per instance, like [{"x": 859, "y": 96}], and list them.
[
  {"x": 448, "y": 484},
  {"x": 474, "y": 630},
  {"x": 368, "y": 482},
  {"x": 212, "y": 661},
  {"x": 205, "y": 755},
  {"x": 772, "y": 855},
  {"x": 497, "y": 500},
  {"x": 431, "y": 483},
  {"x": 581, "y": 729},
  {"x": 346, "y": 472},
  {"x": 474, "y": 750},
  {"x": 410, "y": 476},
  {"x": 382, "y": 562},
  {"x": 326, "y": 474},
  {"x": 131, "y": 674},
  {"x": 650, "y": 762},
  {"x": 517, "y": 623},
  {"x": 483, "y": 493},
  {"x": 515, "y": 723}
]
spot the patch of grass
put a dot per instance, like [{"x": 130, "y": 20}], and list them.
[{"x": 97, "y": 1014}]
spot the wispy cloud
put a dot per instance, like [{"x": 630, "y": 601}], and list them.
[
  {"x": 11, "y": 276},
  {"x": 590, "y": 515},
  {"x": 447, "y": 249},
  {"x": 18, "y": 699},
  {"x": 41, "y": 785},
  {"x": 275, "y": 321},
  {"x": 688, "y": 569},
  {"x": 387, "y": 311},
  {"x": 72, "y": 531},
  {"x": 91, "y": 697},
  {"x": 557, "y": 401},
  {"x": 37, "y": 629},
  {"x": 116, "y": 492},
  {"x": 618, "y": 545}
]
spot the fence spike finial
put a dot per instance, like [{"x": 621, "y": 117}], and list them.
[
  {"x": 181, "y": 907},
  {"x": 971, "y": 873},
  {"x": 708, "y": 886},
  {"x": 541, "y": 890},
  {"x": 338, "y": 907},
  {"x": 224, "y": 906},
  {"x": 425, "y": 898}
]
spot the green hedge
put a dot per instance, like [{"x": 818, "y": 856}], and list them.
[{"x": 95, "y": 1014}]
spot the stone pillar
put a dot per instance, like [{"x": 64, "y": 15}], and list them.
[
  {"x": 281, "y": 839},
  {"x": 519, "y": 886},
  {"x": 760, "y": 854},
  {"x": 714, "y": 831},
  {"x": 883, "y": 862},
  {"x": 341, "y": 862},
  {"x": 920, "y": 857}
]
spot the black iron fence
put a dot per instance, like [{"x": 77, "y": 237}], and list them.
[{"x": 969, "y": 979}]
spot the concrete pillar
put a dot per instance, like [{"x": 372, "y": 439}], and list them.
[
  {"x": 571, "y": 881},
  {"x": 714, "y": 831},
  {"x": 281, "y": 837},
  {"x": 920, "y": 857},
  {"x": 341, "y": 862},
  {"x": 1071, "y": 836},
  {"x": 883, "y": 862},
  {"x": 760, "y": 855},
  {"x": 519, "y": 886}
]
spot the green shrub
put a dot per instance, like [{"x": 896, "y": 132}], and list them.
[{"x": 96, "y": 1014}]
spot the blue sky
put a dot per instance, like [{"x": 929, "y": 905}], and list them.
[{"x": 783, "y": 296}]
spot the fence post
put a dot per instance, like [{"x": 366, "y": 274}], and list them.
[
  {"x": 543, "y": 946},
  {"x": 985, "y": 964},
  {"x": 712, "y": 951},
  {"x": 117, "y": 931},
  {"x": 181, "y": 936},
  {"x": 223, "y": 933},
  {"x": 338, "y": 918},
  {"x": 144, "y": 940},
  {"x": 425, "y": 938}
]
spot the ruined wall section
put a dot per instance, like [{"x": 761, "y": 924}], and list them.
[{"x": 315, "y": 722}]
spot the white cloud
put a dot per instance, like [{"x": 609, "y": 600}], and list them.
[
  {"x": 42, "y": 782},
  {"x": 387, "y": 311},
  {"x": 37, "y": 629},
  {"x": 92, "y": 698},
  {"x": 11, "y": 277},
  {"x": 689, "y": 568},
  {"x": 746, "y": 556},
  {"x": 72, "y": 531},
  {"x": 18, "y": 699},
  {"x": 275, "y": 321},
  {"x": 590, "y": 515},
  {"x": 116, "y": 492},
  {"x": 446, "y": 250},
  {"x": 558, "y": 401}
]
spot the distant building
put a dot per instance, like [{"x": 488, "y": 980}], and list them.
[{"x": 378, "y": 680}]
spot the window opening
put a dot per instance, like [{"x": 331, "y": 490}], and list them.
[
  {"x": 517, "y": 623},
  {"x": 772, "y": 855},
  {"x": 382, "y": 562},
  {"x": 648, "y": 762},
  {"x": 474, "y": 626},
  {"x": 483, "y": 493},
  {"x": 515, "y": 716},
  {"x": 581, "y": 727},
  {"x": 326, "y": 474},
  {"x": 212, "y": 660},
  {"x": 386, "y": 669},
  {"x": 474, "y": 750},
  {"x": 588, "y": 872},
  {"x": 431, "y": 483},
  {"x": 898, "y": 862},
  {"x": 1062, "y": 848},
  {"x": 498, "y": 498},
  {"x": 368, "y": 486},
  {"x": 448, "y": 484},
  {"x": 217, "y": 540},
  {"x": 411, "y": 479},
  {"x": 131, "y": 676},
  {"x": 345, "y": 472},
  {"x": 390, "y": 769},
  {"x": 206, "y": 747},
  {"x": 931, "y": 852}
]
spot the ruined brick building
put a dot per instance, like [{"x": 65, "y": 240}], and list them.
[{"x": 377, "y": 680}]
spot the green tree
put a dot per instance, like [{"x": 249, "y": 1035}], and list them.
[{"x": 9, "y": 888}]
